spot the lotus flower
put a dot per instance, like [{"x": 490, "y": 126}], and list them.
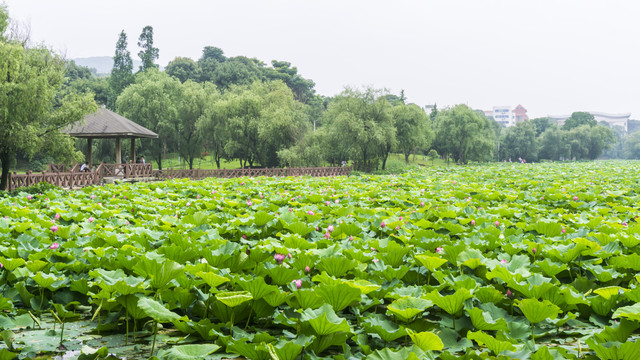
[
  {"x": 503, "y": 261},
  {"x": 198, "y": 197},
  {"x": 28, "y": 197},
  {"x": 439, "y": 249},
  {"x": 54, "y": 228},
  {"x": 383, "y": 224},
  {"x": 90, "y": 219},
  {"x": 327, "y": 235},
  {"x": 575, "y": 198},
  {"x": 289, "y": 255},
  {"x": 1, "y": 266},
  {"x": 563, "y": 230},
  {"x": 497, "y": 223},
  {"x": 375, "y": 260},
  {"x": 290, "y": 209},
  {"x": 327, "y": 203},
  {"x": 298, "y": 283},
  {"x": 350, "y": 237},
  {"x": 624, "y": 224},
  {"x": 330, "y": 228},
  {"x": 54, "y": 246},
  {"x": 307, "y": 269},
  {"x": 473, "y": 223},
  {"x": 509, "y": 293},
  {"x": 279, "y": 258},
  {"x": 244, "y": 236},
  {"x": 310, "y": 212},
  {"x": 534, "y": 251},
  {"x": 57, "y": 217},
  {"x": 337, "y": 201},
  {"x": 188, "y": 204}
]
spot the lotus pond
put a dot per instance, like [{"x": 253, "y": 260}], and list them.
[{"x": 506, "y": 261}]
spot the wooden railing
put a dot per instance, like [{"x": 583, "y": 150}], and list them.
[
  {"x": 76, "y": 179},
  {"x": 61, "y": 179},
  {"x": 198, "y": 174}
]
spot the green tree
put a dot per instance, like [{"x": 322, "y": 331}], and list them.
[
  {"x": 579, "y": 119},
  {"x": 600, "y": 139},
  {"x": 412, "y": 129},
  {"x": 32, "y": 111},
  {"x": 282, "y": 70},
  {"x": 209, "y": 61},
  {"x": 151, "y": 101},
  {"x": 463, "y": 134},
  {"x": 541, "y": 124},
  {"x": 262, "y": 119},
  {"x": 360, "y": 127},
  {"x": 632, "y": 146},
  {"x": 148, "y": 54},
  {"x": 191, "y": 107},
  {"x": 432, "y": 155},
  {"x": 122, "y": 71},
  {"x": 520, "y": 142},
  {"x": 184, "y": 69},
  {"x": 81, "y": 79},
  {"x": 553, "y": 144},
  {"x": 236, "y": 71}
]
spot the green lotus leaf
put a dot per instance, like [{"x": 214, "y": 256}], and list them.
[
  {"x": 408, "y": 307},
  {"x": 350, "y": 229},
  {"x": 339, "y": 296},
  {"x": 257, "y": 287},
  {"x": 261, "y": 218},
  {"x": 536, "y": 311},
  {"x": 284, "y": 350},
  {"x": 405, "y": 353},
  {"x": 453, "y": 303},
  {"x": 12, "y": 264},
  {"x": 248, "y": 350},
  {"x": 489, "y": 294},
  {"x": 276, "y": 298},
  {"x": 490, "y": 320},
  {"x": 496, "y": 346},
  {"x": 602, "y": 306},
  {"x": 282, "y": 275},
  {"x": 336, "y": 266},
  {"x": 386, "y": 329},
  {"x": 427, "y": 341},
  {"x": 615, "y": 350},
  {"x": 551, "y": 268},
  {"x": 212, "y": 279},
  {"x": 324, "y": 320},
  {"x": 548, "y": 228},
  {"x": 300, "y": 228},
  {"x": 472, "y": 258},
  {"x": 430, "y": 262},
  {"x": 364, "y": 286},
  {"x": 393, "y": 254},
  {"x": 609, "y": 291},
  {"x": 157, "y": 311},
  {"x": 307, "y": 299},
  {"x": 45, "y": 280},
  {"x": 160, "y": 272},
  {"x": 188, "y": 352},
  {"x": 620, "y": 331},
  {"x": 234, "y": 298}
]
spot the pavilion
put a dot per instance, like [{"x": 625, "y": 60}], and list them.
[{"x": 106, "y": 124}]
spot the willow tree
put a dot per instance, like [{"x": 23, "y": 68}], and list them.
[{"x": 33, "y": 109}]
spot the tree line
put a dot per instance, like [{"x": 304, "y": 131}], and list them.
[{"x": 241, "y": 109}]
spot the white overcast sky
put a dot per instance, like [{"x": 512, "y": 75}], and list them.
[{"x": 551, "y": 56}]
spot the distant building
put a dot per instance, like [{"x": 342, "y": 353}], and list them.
[
  {"x": 611, "y": 119},
  {"x": 506, "y": 116}
]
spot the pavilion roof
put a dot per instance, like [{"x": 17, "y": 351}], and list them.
[{"x": 107, "y": 124}]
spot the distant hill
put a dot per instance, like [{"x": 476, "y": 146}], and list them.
[{"x": 102, "y": 64}]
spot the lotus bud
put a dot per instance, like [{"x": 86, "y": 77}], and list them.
[
  {"x": 330, "y": 228},
  {"x": 439, "y": 249},
  {"x": 350, "y": 237},
  {"x": 54, "y": 246},
  {"x": 503, "y": 261},
  {"x": 54, "y": 228},
  {"x": 382, "y": 224},
  {"x": 575, "y": 198},
  {"x": 90, "y": 219},
  {"x": 310, "y": 212},
  {"x": 497, "y": 223},
  {"x": 298, "y": 283},
  {"x": 57, "y": 217},
  {"x": 534, "y": 251},
  {"x": 28, "y": 197},
  {"x": 509, "y": 293},
  {"x": 327, "y": 235},
  {"x": 563, "y": 230},
  {"x": 307, "y": 269},
  {"x": 473, "y": 223}
]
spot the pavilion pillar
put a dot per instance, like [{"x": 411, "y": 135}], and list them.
[
  {"x": 133, "y": 149},
  {"x": 118, "y": 155},
  {"x": 89, "y": 150}
]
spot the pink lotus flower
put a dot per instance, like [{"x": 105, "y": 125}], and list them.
[
  {"x": 337, "y": 201},
  {"x": 289, "y": 255},
  {"x": 279, "y": 258},
  {"x": 198, "y": 197},
  {"x": 249, "y": 203},
  {"x": 28, "y": 197},
  {"x": 290, "y": 209},
  {"x": 401, "y": 218},
  {"x": 624, "y": 224},
  {"x": 310, "y": 212},
  {"x": 509, "y": 293},
  {"x": 421, "y": 203},
  {"x": 330, "y": 228},
  {"x": 439, "y": 249},
  {"x": 57, "y": 217},
  {"x": 244, "y": 236},
  {"x": 188, "y": 204},
  {"x": 575, "y": 198},
  {"x": 54, "y": 246},
  {"x": 497, "y": 223},
  {"x": 307, "y": 269},
  {"x": 1, "y": 266},
  {"x": 126, "y": 222},
  {"x": 383, "y": 224},
  {"x": 93, "y": 197},
  {"x": 534, "y": 251},
  {"x": 375, "y": 260},
  {"x": 473, "y": 222},
  {"x": 397, "y": 227},
  {"x": 503, "y": 261},
  {"x": 563, "y": 230},
  {"x": 350, "y": 237},
  {"x": 327, "y": 235},
  {"x": 90, "y": 219},
  {"x": 298, "y": 283},
  {"x": 327, "y": 203},
  {"x": 54, "y": 228}
]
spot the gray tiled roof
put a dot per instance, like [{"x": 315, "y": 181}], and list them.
[{"x": 107, "y": 124}]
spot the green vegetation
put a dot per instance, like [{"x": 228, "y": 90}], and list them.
[{"x": 494, "y": 261}]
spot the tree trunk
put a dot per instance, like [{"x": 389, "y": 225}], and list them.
[
  {"x": 406, "y": 157},
  {"x": 191, "y": 163},
  {"x": 5, "y": 158}
]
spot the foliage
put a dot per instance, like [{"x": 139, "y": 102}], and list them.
[
  {"x": 520, "y": 142},
  {"x": 122, "y": 71},
  {"x": 578, "y": 119},
  {"x": 412, "y": 129},
  {"x": 32, "y": 110},
  {"x": 148, "y": 53}
]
